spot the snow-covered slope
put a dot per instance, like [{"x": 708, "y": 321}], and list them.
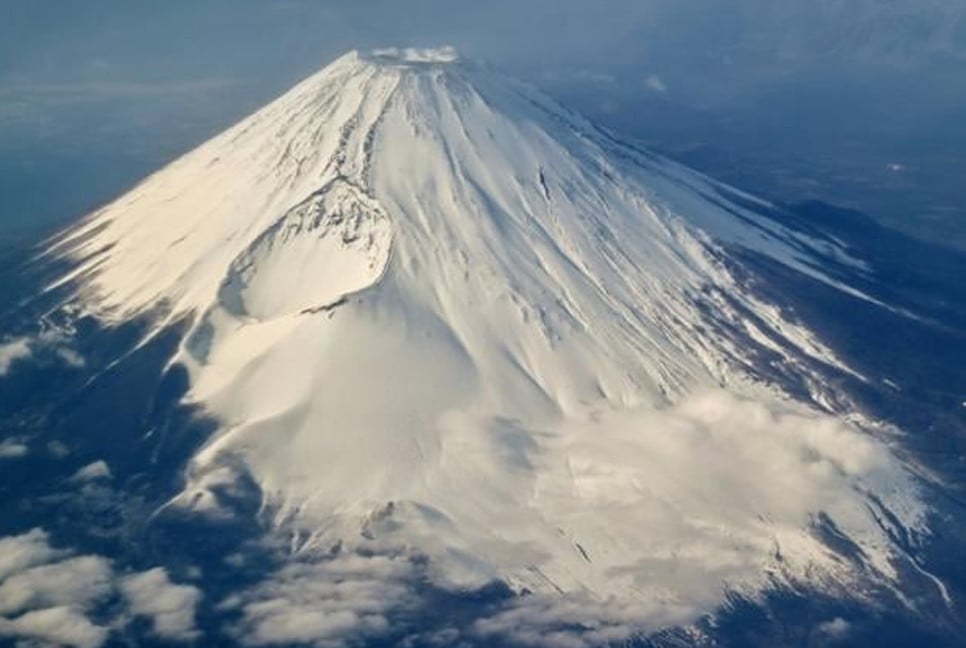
[{"x": 432, "y": 308}]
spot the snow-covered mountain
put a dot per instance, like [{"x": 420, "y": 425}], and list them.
[{"x": 433, "y": 311}]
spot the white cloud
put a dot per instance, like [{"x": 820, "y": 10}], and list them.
[
  {"x": 836, "y": 629},
  {"x": 659, "y": 513},
  {"x": 73, "y": 92},
  {"x": 170, "y": 607},
  {"x": 325, "y": 603},
  {"x": 656, "y": 83},
  {"x": 61, "y": 626},
  {"x": 572, "y": 621},
  {"x": 13, "y": 449},
  {"x": 70, "y": 357},
  {"x": 48, "y": 595},
  {"x": 11, "y": 352},
  {"x": 92, "y": 471},
  {"x": 58, "y": 449},
  {"x": 21, "y": 552},
  {"x": 77, "y": 582},
  {"x": 595, "y": 77},
  {"x": 50, "y": 337}
]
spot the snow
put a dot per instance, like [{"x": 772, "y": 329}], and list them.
[
  {"x": 338, "y": 232},
  {"x": 431, "y": 305}
]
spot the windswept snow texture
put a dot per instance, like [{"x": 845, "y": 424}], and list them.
[{"x": 434, "y": 309}]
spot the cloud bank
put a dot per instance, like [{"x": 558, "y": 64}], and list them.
[{"x": 660, "y": 512}]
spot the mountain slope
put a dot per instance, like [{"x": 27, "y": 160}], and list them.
[{"x": 433, "y": 310}]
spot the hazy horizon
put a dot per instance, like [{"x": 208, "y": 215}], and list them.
[{"x": 749, "y": 91}]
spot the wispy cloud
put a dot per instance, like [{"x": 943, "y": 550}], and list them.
[
  {"x": 656, "y": 84},
  {"x": 12, "y": 351},
  {"x": 24, "y": 94}
]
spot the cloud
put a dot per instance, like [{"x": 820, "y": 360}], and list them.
[
  {"x": 369, "y": 597},
  {"x": 70, "y": 357},
  {"x": 77, "y": 582},
  {"x": 660, "y": 513},
  {"x": 836, "y": 629},
  {"x": 21, "y": 552},
  {"x": 595, "y": 77},
  {"x": 572, "y": 621},
  {"x": 66, "y": 93},
  {"x": 51, "y": 338},
  {"x": 92, "y": 472},
  {"x": 52, "y": 595},
  {"x": 11, "y": 352},
  {"x": 656, "y": 83},
  {"x": 325, "y": 602},
  {"x": 170, "y": 607},
  {"x": 12, "y": 449},
  {"x": 62, "y": 626},
  {"x": 46, "y": 594}
]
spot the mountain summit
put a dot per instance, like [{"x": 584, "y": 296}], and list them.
[{"x": 430, "y": 308}]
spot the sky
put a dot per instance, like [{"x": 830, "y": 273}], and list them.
[
  {"x": 853, "y": 101},
  {"x": 100, "y": 44}
]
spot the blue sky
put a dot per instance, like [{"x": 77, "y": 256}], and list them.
[
  {"x": 104, "y": 42},
  {"x": 836, "y": 91}
]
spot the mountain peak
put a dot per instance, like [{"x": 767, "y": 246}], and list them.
[{"x": 446, "y": 297}]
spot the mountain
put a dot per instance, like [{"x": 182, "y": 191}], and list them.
[{"x": 440, "y": 323}]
